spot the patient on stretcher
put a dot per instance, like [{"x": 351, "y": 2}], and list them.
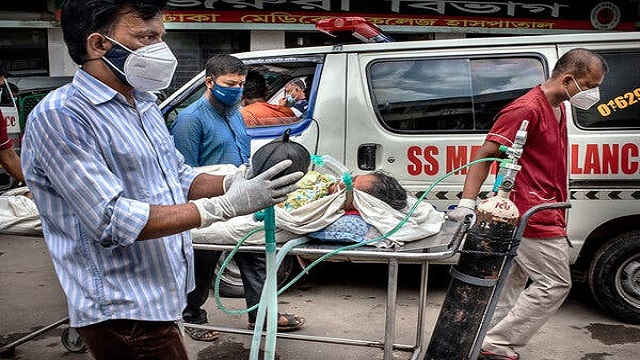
[
  {"x": 315, "y": 185},
  {"x": 377, "y": 200}
]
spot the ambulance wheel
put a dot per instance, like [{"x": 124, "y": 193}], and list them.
[
  {"x": 614, "y": 277},
  {"x": 231, "y": 280},
  {"x": 73, "y": 343}
]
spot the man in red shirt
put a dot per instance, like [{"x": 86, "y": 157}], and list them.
[
  {"x": 8, "y": 157},
  {"x": 543, "y": 254}
]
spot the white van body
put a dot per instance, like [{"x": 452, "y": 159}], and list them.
[{"x": 419, "y": 110}]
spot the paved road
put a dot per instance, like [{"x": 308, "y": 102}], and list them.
[{"x": 338, "y": 300}]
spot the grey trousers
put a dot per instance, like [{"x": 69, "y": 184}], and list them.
[{"x": 521, "y": 311}]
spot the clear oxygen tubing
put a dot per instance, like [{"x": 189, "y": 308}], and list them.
[
  {"x": 284, "y": 288},
  {"x": 269, "y": 289},
  {"x": 392, "y": 231},
  {"x": 279, "y": 258}
]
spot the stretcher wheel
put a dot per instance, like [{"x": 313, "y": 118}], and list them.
[{"x": 72, "y": 341}]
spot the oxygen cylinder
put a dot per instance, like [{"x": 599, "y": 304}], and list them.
[{"x": 473, "y": 280}]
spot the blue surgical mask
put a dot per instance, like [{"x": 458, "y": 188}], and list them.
[
  {"x": 227, "y": 95},
  {"x": 290, "y": 98}
]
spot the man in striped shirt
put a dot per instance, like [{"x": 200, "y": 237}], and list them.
[{"x": 112, "y": 190}]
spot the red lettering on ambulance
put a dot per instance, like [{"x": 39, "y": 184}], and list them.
[
  {"x": 431, "y": 167},
  {"x": 575, "y": 169},
  {"x": 629, "y": 165},
  {"x": 605, "y": 159},
  {"x": 10, "y": 120},
  {"x": 416, "y": 166},
  {"x": 610, "y": 158},
  {"x": 456, "y": 157},
  {"x": 592, "y": 160}
]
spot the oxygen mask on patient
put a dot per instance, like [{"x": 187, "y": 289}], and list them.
[{"x": 331, "y": 166}]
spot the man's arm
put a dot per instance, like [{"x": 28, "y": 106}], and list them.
[
  {"x": 206, "y": 186},
  {"x": 477, "y": 173},
  {"x": 11, "y": 162},
  {"x": 165, "y": 220}
]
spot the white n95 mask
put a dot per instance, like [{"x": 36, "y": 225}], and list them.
[
  {"x": 584, "y": 99},
  {"x": 148, "y": 68}
]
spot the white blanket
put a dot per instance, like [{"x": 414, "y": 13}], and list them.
[{"x": 18, "y": 213}]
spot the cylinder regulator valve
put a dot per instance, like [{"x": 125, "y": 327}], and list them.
[{"x": 500, "y": 208}]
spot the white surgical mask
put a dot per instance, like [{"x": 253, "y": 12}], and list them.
[
  {"x": 585, "y": 98},
  {"x": 148, "y": 68}
]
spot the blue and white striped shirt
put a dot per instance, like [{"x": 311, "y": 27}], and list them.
[{"x": 94, "y": 165}]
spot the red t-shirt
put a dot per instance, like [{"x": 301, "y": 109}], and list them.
[
  {"x": 543, "y": 178},
  {"x": 5, "y": 142}
]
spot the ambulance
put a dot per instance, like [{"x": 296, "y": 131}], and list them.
[{"x": 419, "y": 110}]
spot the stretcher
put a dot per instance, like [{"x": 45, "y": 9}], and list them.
[
  {"x": 437, "y": 247},
  {"x": 424, "y": 238}
]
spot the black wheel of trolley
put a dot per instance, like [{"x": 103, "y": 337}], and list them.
[{"x": 72, "y": 343}]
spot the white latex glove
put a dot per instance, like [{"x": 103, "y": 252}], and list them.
[
  {"x": 243, "y": 171},
  {"x": 246, "y": 196},
  {"x": 465, "y": 207}
]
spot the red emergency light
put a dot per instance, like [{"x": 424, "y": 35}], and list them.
[{"x": 360, "y": 28}]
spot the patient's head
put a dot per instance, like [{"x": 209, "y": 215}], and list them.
[{"x": 382, "y": 186}]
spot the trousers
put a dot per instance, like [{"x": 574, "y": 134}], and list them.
[
  {"x": 134, "y": 340},
  {"x": 522, "y": 310},
  {"x": 252, "y": 270}
]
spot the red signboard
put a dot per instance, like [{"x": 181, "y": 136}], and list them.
[
  {"x": 543, "y": 15},
  {"x": 301, "y": 18}
]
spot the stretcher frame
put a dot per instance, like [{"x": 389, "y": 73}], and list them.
[{"x": 441, "y": 246}]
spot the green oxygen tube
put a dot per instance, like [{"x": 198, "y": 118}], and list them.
[
  {"x": 265, "y": 157},
  {"x": 269, "y": 297}
]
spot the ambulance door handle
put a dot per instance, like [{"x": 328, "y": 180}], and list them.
[{"x": 367, "y": 156}]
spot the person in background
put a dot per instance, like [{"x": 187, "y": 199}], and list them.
[
  {"x": 8, "y": 157},
  {"x": 256, "y": 110},
  {"x": 211, "y": 131},
  {"x": 295, "y": 96},
  {"x": 543, "y": 254},
  {"x": 115, "y": 197}
]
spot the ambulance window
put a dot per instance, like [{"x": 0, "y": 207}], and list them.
[
  {"x": 619, "y": 105},
  {"x": 448, "y": 95}
]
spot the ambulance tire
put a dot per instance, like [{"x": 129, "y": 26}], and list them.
[
  {"x": 231, "y": 280},
  {"x": 614, "y": 277}
]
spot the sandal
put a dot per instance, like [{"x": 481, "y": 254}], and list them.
[
  {"x": 202, "y": 334},
  {"x": 293, "y": 323}
]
